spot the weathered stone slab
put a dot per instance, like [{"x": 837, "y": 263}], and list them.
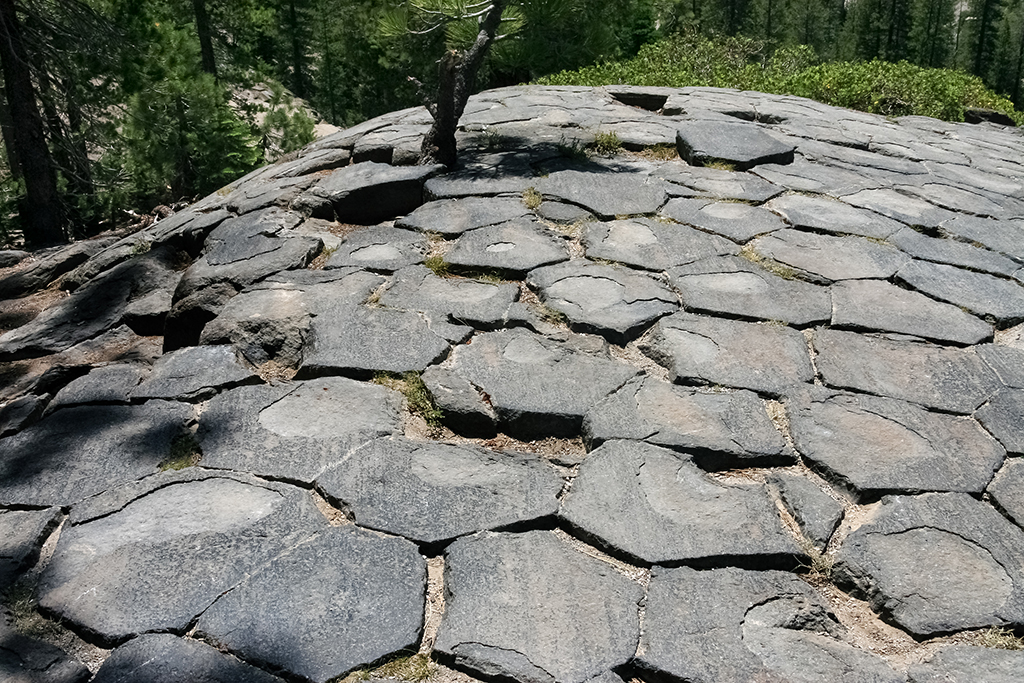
[
  {"x": 105, "y": 384},
  {"x": 734, "y": 626},
  {"x": 743, "y": 145},
  {"x": 616, "y": 303},
  {"x": 738, "y": 222},
  {"x": 874, "y": 446},
  {"x": 158, "y": 562},
  {"x": 817, "y": 513},
  {"x": 968, "y": 664},
  {"x": 194, "y": 373},
  {"x": 465, "y": 410},
  {"x": 830, "y": 258},
  {"x": 1002, "y": 236},
  {"x": 345, "y": 598},
  {"x": 312, "y": 162},
  {"x": 953, "y": 252},
  {"x": 29, "y": 660},
  {"x": 481, "y": 304},
  {"x": 651, "y": 244},
  {"x": 249, "y": 236},
  {"x": 765, "y": 358},
  {"x": 605, "y": 194},
  {"x": 720, "y": 429},
  {"x": 879, "y": 306},
  {"x": 21, "y": 412},
  {"x": 22, "y": 533},
  {"x": 955, "y": 198},
  {"x": 900, "y": 207},
  {"x": 164, "y": 658},
  {"x": 253, "y": 196},
  {"x": 804, "y": 175},
  {"x": 483, "y": 180},
  {"x": 515, "y": 248},
  {"x": 936, "y": 377},
  {"x": 515, "y": 603},
  {"x": 558, "y": 212},
  {"x": 78, "y": 452},
  {"x": 434, "y": 492},
  {"x": 937, "y": 563},
  {"x": 1003, "y": 416},
  {"x": 379, "y": 248},
  {"x": 456, "y": 216},
  {"x": 721, "y": 184},
  {"x": 655, "y": 506},
  {"x": 295, "y": 431},
  {"x": 359, "y": 341},
  {"x": 12, "y": 257},
  {"x": 49, "y": 266},
  {"x": 1007, "y": 490},
  {"x": 1007, "y": 361},
  {"x": 984, "y": 295},
  {"x": 829, "y": 215},
  {"x": 538, "y": 386},
  {"x": 736, "y": 287},
  {"x": 368, "y": 192}
]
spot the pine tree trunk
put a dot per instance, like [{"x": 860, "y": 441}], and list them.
[
  {"x": 41, "y": 214},
  {"x": 299, "y": 83},
  {"x": 205, "y": 36},
  {"x": 7, "y": 128}
]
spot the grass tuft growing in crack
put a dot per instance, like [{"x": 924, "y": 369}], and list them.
[
  {"x": 185, "y": 452},
  {"x": 607, "y": 144},
  {"x": 819, "y": 566},
  {"x": 1000, "y": 638},
  {"x": 417, "y": 396},
  {"x": 414, "y": 668},
  {"x": 531, "y": 198},
  {"x": 438, "y": 266}
]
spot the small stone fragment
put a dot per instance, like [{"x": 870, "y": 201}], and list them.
[
  {"x": 22, "y": 533},
  {"x": 817, "y": 513},
  {"x": 1003, "y": 416},
  {"x": 1007, "y": 490}
]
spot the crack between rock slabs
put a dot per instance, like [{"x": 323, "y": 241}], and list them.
[
  {"x": 910, "y": 429},
  {"x": 505, "y": 649}
]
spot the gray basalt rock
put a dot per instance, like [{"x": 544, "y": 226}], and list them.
[
  {"x": 900, "y": 207},
  {"x": 461, "y": 301},
  {"x": 188, "y": 316},
  {"x": 1007, "y": 361},
  {"x": 12, "y": 257},
  {"x": 1002, "y": 236},
  {"x": 984, "y": 295},
  {"x": 733, "y": 286},
  {"x": 829, "y": 215},
  {"x": 905, "y": 370},
  {"x": 515, "y": 248},
  {"x": 1007, "y": 490},
  {"x": 105, "y": 384},
  {"x": 968, "y": 664},
  {"x": 816, "y": 512},
  {"x": 434, "y": 492},
  {"x": 953, "y": 252},
  {"x": 614, "y": 302},
  {"x": 652, "y": 245},
  {"x": 456, "y": 216},
  {"x": 734, "y": 626},
  {"x": 165, "y": 658},
  {"x": 937, "y": 563},
  {"x": 656, "y": 507},
  {"x": 515, "y": 602},
  {"x": 22, "y": 533},
  {"x": 875, "y": 445},
  {"x": 605, "y": 194},
  {"x": 379, "y": 248},
  {"x": 158, "y": 562},
  {"x": 368, "y": 192},
  {"x": 29, "y": 660},
  {"x": 743, "y": 145},
  {"x": 874, "y": 305},
  {"x": 738, "y": 222},
  {"x": 465, "y": 408},
  {"x": 296, "y": 431},
  {"x": 78, "y": 452},
  {"x": 49, "y": 267},
  {"x": 194, "y": 373},
  {"x": 557, "y": 212},
  {"x": 1002, "y": 416},
  {"x": 829, "y": 258},
  {"x": 766, "y": 358},
  {"x": 340, "y": 600},
  {"x": 21, "y": 412},
  {"x": 254, "y": 196},
  {"x": 720, "y": 184},
  {"x": 538, "y": 386}
]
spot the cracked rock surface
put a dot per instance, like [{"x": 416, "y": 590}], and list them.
[{"x": 542, "y": 418}]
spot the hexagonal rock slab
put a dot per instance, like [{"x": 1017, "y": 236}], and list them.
[
  {"x": 874, "y": 445},
  {"x": 985, "y": 295},
  {"x": 652, "y": 245},
  {"x": 159, "y": 561},
  {"x": 721, "y": 184},
  {"x": 379, "y": 248},
  {"x": 295, "y": 431},
  {"x": 766, "y": 358},
  {"x": 78, "y": 452},
  {"x": 936, "y": 377},
  {"x": 828, "y": 215},
  {"x": 105, "y": 384},
  {"x": 538, "y": 386},
  {"x": 605, "y": 194},
  {"x": 512, "y": 248},
  {"x": 733, "y": 286},
  {"x": 616, "y": 303},
  {"x": 817, "y": 513},
  {"x": 998, "y": 235},
  {"x": 937, "y": 563},
  {"x": 1007, "y": 361},
  {"x": 884, "y": 307},
  {"x": 969, "y": 664},
  {"x": 654, "y": 506},
  {"x": 900, "y": 207},
  {"x": 953, "y": 252},
  {"x": 735, "y": 626},
  {"x": 516, "y": 603},
  {"x": 456, "y": 216},
  {"x": 434, "y": 492},
  {"x": 1003, "y": 416},
  {"x": 194, "y": 373},
  {"x": 368, "y": 192},
  {"x": 720, "y": 429},
  {"x": 164, "y": 658},
  {"x": 1007, "y": 490},
  {"x": 343, "y": 599},
  {"x": 738, "y": 222},
  {"x": 829, "y": 258},
  {"x": 22, "y": 533},
  {"x": 744, "y": 145},
  {"x": 482, "y": 304}
]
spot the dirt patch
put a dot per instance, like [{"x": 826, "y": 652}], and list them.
[{"x": 17, "y": 312}]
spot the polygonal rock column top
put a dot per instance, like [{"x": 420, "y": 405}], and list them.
[
  {"x": 159, "y": 561},
  {"x": 720, "y": 184},
  {"x": 368, "y": 192},
  {"x": 744, "y": 145},
  {"x": 379, "y": 248},
  {"x": 829, "y": 215},
  {"x": 538, "y": 386},
  {"x": 456, "y": 216},
  {"x": 874, "y": 445},
  {"x": 616, "y": 303},
  {"x": 937, "y": 563},
  {"x": 739, "y": 222},
  {"x": 652, "y": 245},
  {"x": 736, "y": 626},
  {"x": 515, "y": 248},
  {"x": 22, "y": 533},
  {"x": 194, "y": 373},
  {"x": 529, "y": 608},
  {"x": 829, "y": 258},
  {"x": 984, "y": 295},
  {"x": 936, "y": 377},
  {"x": 459, "y": 299},
  {"x": 969, "y": 664},
  {"x": 433, "y": 492},
  {"x": 604, "y": 193},
  {"x": 1007, "y": 490},
  {"x": 164, "y": 658},
  {"x": 343, "y": 599},
  {"x": 295, "y": 431},
  {"x": 656, "y": 507}
]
